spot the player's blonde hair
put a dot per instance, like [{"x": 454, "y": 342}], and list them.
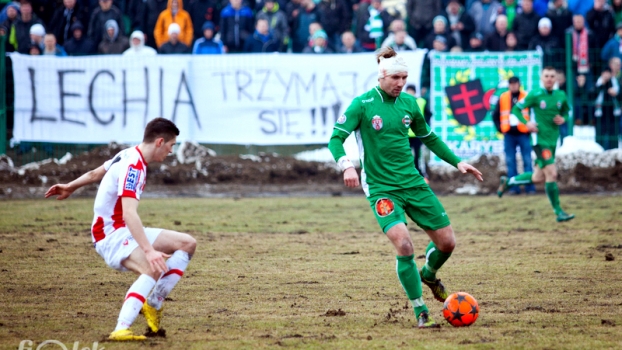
[{"x": 385, "y": 52}]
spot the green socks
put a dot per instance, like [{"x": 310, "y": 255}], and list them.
[
  {"x": 522, "y": 179},
  {"x": 411, "y": 282},
  {"x": 552, "y": 191},
  {"x": 434, "y": 259}
]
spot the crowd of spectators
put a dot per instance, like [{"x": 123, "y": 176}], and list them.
[{"x": 148, "y": 27}]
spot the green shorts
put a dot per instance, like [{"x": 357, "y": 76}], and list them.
[
  {"x": 419, "y": 203},
  {"x": 545, "y": 155}
]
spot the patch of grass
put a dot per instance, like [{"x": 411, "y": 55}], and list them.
[{"x": 281, "y": 272}]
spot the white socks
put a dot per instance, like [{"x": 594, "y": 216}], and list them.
[
  {"x": 177, "y": 264},
  {"x": 134, "y": 300}
]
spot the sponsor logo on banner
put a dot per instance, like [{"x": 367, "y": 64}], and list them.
[
  {"x": 542, "y": 105},
  {"x": 406, "y": 121},
  {"x": 342, "y": 119},
  {"x": 376, "y": 122},
  {"x": 384, "y": 207},
  {"x": 132, "y": 179}
]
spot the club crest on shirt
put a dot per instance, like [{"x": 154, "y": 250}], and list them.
[
  {"x": 542, "y": 105},
  {"x": 406, "y": 121},
  {"x": 376, "y": 122},
  {"x": 132, "y": 179},
  {"x": 559, "y": 104},
  {"x": 342, "y": 119},
  {"x": 384, "y": 207}
]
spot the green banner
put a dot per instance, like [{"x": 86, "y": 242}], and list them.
[{"x": 465, "y": 88}]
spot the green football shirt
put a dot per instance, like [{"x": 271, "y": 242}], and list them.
[
  {"x": 545, "y": 106},
  {"x": 381, "y": 123}
]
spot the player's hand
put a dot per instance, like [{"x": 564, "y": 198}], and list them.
[
  {"x": 156, "y": 261},
  {"x": 351, "y": 178},
  {"x": 532, "y": 127},
  {"x": 468, "y": 168},
  {"x": 559, "y": 120},
  {"x": 61, "y": 190}
]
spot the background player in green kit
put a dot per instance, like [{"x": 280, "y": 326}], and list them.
[
  {"x": 381, "y": 119},
  {"x": 551, "y": 110}
]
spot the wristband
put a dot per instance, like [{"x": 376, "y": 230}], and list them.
[{"x": 344, "y": 163}]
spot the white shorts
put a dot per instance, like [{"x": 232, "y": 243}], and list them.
[{"x": 118, "y": 246}]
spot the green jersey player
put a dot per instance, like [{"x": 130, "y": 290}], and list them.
[
  {"x": 551, "y": 109},
  {"x": 381, "y": 118}
]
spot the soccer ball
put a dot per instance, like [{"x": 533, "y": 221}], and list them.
[{"x": 460, "y": 309}]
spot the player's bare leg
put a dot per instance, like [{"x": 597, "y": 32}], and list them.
[
  {"x": 437, "y": 253},
  {"x": 408, "y": 275},
  {"x": 181, "y": 247}
]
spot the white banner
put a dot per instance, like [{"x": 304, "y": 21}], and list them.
[{"x": 258, "y": 99}]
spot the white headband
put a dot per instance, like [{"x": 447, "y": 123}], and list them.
[{"x": 390, "y": 66}]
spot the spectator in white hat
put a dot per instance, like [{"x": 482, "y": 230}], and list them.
[
  {"x": 547, "y": 43},
  {"x": 37, "y": 32},
  {"x": 174, "y": 45}
]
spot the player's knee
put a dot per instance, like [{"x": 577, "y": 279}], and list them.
[
  {"x": 189, "y": 244},
  {"x": 405, "y": 247},
  {"x": 448, "y": 245}
]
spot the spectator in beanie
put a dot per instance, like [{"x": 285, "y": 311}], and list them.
[
  {"x": 137, "y": 46},
  {"x": 398, "y": 25},
  {"x": 476, "y": 43},
  {"x": 64, "y": 17},
  {"x": 613, "y": 47},
  {"x": 348, "y": 43},
  {"x": 561, "y": 19},
  {"x": 399, "y": 42},
  {"x": 547, "y": 43},
  {"x": 79, "y": 44},
  {"x": 320, "y": 43},
  {"x": 113, "y": 42},
  {"x": 277, "y": 21},
  {"x": 174, "y": 45},
  {"x": 261, "y": 40},
  {"x": 174, "y": 13},
  {"x": 207, "y": 45},
  {"x": 105, "y": 12},
  {"x": 495, "y": 41},
  {"x": 439, "y": 28},
  {"x": 50, "y": 47},
  {"x": 37, "y": 32},
  {"x": 21, "y": 34},
  {"x": 525, "y": 25},
  {"x": 420, "y": 16},
  {"x": 600, "y": 20},
  {"x": 236, "y": 24}
]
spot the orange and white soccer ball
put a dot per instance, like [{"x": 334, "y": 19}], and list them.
[{"x": 461, "y": 309}]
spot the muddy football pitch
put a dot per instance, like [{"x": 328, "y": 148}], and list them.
[{"x": 317, "y": 273}]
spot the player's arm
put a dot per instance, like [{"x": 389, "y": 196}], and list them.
[
  {"x": 563, "y": 114},
  {"x": 135, "y": 225},
  {"x": 438, "y": 147},
  {"x": 527, "y": 102},
  {"x": 65, "y": 190},
  {"x": 344, "y": 126}
]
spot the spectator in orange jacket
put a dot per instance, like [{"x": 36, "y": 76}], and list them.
[{"x": 174, "y": 13}]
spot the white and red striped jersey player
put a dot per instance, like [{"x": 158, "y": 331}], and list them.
[{"x": 126, "y": 175}]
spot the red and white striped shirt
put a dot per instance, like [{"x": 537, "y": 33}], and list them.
[{"x": 125, "y": 176}]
